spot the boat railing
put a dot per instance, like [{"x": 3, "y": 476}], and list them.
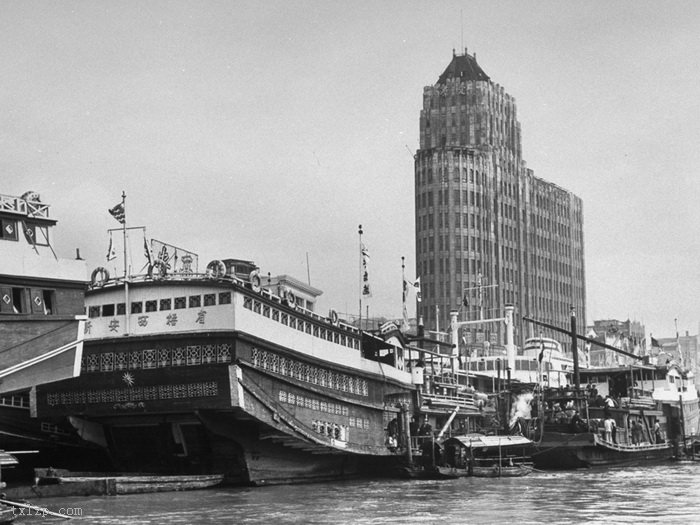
[
  {"x": 206, "y": 277},
  {"x": 16, "y": 401},
  {"x": 627, "y": 447}
]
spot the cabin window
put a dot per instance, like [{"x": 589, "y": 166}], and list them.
[
  {"x": 671, "y": 379},
  {"x": 94, "y": 311},
  {"x": 19, "y": 300},
  {"x": 152, "y": 306},
  {"x": 108, "y": 310},
  {"x": 195, "y": 301},
  {"x": 180, "y": 302},
  {"x": 8, "y": 230},
  {"x": 48, "y": 296},
  {"x": 136, "y": 307},
  {"x": 165, "y": 304},
  {"x": 209, "y": 299},
  {"x": 225, "y": 298},
  {"x": 121, "y": 308},
  {"x": 36, "y": 234}
]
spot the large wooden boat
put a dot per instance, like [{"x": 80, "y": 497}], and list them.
[
  {"x": 572, "y": 431},
  {"x": 222, "y": 372},
  {"x": 42, "y": 323}
]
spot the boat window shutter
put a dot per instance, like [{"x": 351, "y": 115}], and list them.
[
  {"x": 37, "y": 300},
  {"x": 5, "y": 300}
]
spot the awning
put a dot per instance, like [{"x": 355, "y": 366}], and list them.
[{"x": 480, "y": 440}]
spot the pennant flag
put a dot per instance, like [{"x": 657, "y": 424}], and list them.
[
  {"x": 147, "y": 251},
  {"x": 118, "y": 213},
  {"x": 655, "y": 343},
  {"x": 365, "y": 272},
  {"x": 175, "y": 259},
  {"x": 416, "y": 287},
  {"x": 111, "y": 252}
]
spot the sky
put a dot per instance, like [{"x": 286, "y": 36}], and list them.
[{"x": 268, "y": 131}]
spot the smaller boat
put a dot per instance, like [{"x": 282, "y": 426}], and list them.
[
  {"x": 484, "y": 456},
  {"x": 132, "y": 484}
]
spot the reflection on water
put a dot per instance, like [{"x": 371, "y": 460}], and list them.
[{"x": 669, "y": 493}]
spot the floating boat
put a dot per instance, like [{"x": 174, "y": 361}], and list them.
[
  {"x": 487, "y": 456},
  {"x": 42, "y": 324},
  {"x": 130, "y": 484},
  {"x": 226, "y": 371}
]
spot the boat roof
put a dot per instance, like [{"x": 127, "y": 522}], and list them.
[
  {"x": 480, "y": 440},
  {"x": 7, "y": 459}
]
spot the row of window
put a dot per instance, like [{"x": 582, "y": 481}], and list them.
[
  {"x": 33, "y": 233},
  {"x": 134, "y": 394},
  {"x": 154, "y": 305},
  {"x": 18, "y": 300},
  {"x": 308, "y": 373},
  {"x": 300, "y": 323},
  {"x": 151, "y": 358}
]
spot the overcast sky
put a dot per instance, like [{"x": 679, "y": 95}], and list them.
[{"x": 270, "y": 130}]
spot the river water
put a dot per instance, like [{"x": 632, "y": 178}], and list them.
[{"x": 657, "y": 494}]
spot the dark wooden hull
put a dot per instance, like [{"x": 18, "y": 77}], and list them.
[
  {"x": 571, "y": 451},
  {"x": 501, "y": 472},
  {"x": 147, "y": 484}
]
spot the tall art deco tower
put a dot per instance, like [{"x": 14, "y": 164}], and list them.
[{"x": 488, "y": 232}]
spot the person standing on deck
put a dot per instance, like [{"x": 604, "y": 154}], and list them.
[{"x": 657, "y": 433}]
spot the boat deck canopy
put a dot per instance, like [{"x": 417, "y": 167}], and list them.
[{"x": 480, "y": 440}]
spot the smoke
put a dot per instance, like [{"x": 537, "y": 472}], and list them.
[{"x": 521, "y": 408}]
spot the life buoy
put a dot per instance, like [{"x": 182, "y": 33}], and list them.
[
  {"x": 333, "y": 316},
  {"x": 255, "y": 282},
  {"x": 99, "y": 276},
  {"x": 290, "y": 298},
  {"x": 157, "y": 270},
  {"x": 216, "y": 269}
]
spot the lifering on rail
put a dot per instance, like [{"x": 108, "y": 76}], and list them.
[
  {"x": 216, "y": 269},
  {"x": 255, "y": 282},
  {"x": 290, "y": 298},
  {"x": 99, "y": 276},
  {"x": 333, "y": 316}
]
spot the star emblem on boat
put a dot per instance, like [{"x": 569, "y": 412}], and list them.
[{"x": 128, "y": 378}]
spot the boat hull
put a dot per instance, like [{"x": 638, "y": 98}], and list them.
[{"x": 570, "y": 451}]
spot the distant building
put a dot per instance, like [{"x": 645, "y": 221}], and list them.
[
  {"x": 488, "y": 232},
  {"x": 627, "y": 335},
  {"x": 683, "y": 350}
]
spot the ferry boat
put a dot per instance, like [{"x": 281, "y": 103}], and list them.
[
  {"x": 42, "y": 324},
  {"x": 540, "y": 360},
  {"x": 612, "y": 420},
  {"x": 229, "y": 371}
]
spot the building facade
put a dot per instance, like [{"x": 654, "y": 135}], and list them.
[
  {"x": 628, "y": 336},
  {"x": 488, "y": 232}
]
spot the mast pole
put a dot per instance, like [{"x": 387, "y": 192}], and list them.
[
  {"x": 359, "y": 231},
  {"x": 124, "y": 230},
  {"x": 574, "y": 349}
]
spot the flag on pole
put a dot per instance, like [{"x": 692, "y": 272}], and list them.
[
  {"x": 111, "y": 252},
  {"x": 416, "y": 287},
  {"x": 118, "y": 213},
  {"x": 147, "y": 251},
  {"x": 539, "y": 358},
  {"x": 366, "y": 292}
]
